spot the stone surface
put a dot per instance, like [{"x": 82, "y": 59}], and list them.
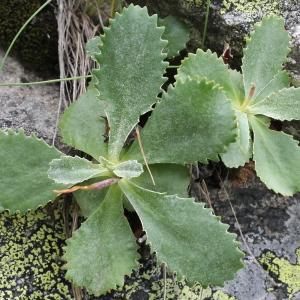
[
  {"x": 33, "y": 108},
  {"x": 30, "y": 251},
  {"x": 230, "y": 21},
  {"x": 270, "y": 225},
  {"x": 36, "y": 47}
]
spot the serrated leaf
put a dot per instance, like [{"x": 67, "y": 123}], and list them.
[
  {"x": 89, "y": 200},
  {"x": 82, "y": 125},
  {"x": 128, "y": 169},
  {"x": 277, "y": 159},
  {"x": 24, "y": 162},
  {"x": 208, "y": 65},
  {"x": 280, "y": 81},
  {"x": 193, "y": 122},
  {"x": 130, "y": 76},
  {"x": 265, "y": 54},
  {"x": 284, "y": 105},
  {"x": 186, "y": 236},
  {"x": 71, "y": 170},
  {"x": 173, "y": 179},
  {"x": 176, "y": 33},
  {"x": 239, "y": 152},
  {"x": 103, "y": 250},
  {"x": 92, "y": 47},
  {"x": 237, "y": 95}
]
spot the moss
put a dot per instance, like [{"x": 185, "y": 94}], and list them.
[
  {"x": 283, "y": 270},
  {"x": 30, "y": 251},
  {"x": 37, "y": 46},
  {"x": 251, "y": 7}
]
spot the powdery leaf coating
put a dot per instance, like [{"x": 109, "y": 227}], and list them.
[
  {"x": 277, "y": 158},
  {"x": 128, "y": 169},
  {"x": 198, "y": 247},
  {"x": 176, "y": 33},
  {"x": 208, "y": 65},
  {"x": 71, "y": 170},
  {"x": 283, "y": 105},
  {"x": 103, "y": 249},
  {"x": 82, "y": 125},
  {"x": 280, "y": 81},
  {"x": 266, "y": 51},
  {"x": 130, "y": 76},
  {"x": 169, "y": 178},
  {"x": 92, "y": 47},
  {"x": 239, "y": 152},
  {"x": 24, "y": 162},
  {"x": 193, "y": 122}
]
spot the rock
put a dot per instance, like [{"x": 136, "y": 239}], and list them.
[
  {"x": 31, "y": 245},
  {"x": 33, "y": 108},
  {"x": 270, "y": 226},
  {"x": 230, "y": 21},
  {"x": 30, "y": 256},
  {"x": 37, "y": 45}
]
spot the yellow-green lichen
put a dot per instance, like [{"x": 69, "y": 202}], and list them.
[
  {"x": 30, "y": 251},
  {"x": 284, "y": 271},
  {"x": 220, "y": 295},
  {"x": 252, "y": 6}
]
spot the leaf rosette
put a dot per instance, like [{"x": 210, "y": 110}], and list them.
[
  {"x": 261, "y": 92},
  {"x": 193, "y": 121}
]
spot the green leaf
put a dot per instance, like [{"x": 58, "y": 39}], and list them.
[
  {"x": 92, "y": 47},
  {"x": 82, "y": 125},
  {"x": 176, "y": 33},
  {"x": 71, "y": 170},
  {"x": 265, "y": 54},
  {"x": 239, "y": 152},
  {"x": 208, "y": 65},
  {"x": 280, "y": 81},
  {"x": 186, "y": 236},
  {"x": 24, "y": 162},
  {"x": 170, "y": 178},
  {"x": 103, "y": 249},
  {"x": 131, "y": 71},
  {"x": 193, "y": 122},
  {"x": 284, "y": 105},
  {"x": 128, "y": 169},
  {"x": 277, "y": 159},
  {"x": 237, "y": 95}
]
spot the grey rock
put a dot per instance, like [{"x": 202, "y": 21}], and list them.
[
  {"x": 33, "y": 108},
  {"x": 233, "y": 24}
]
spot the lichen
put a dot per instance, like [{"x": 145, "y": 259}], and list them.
[
  {"x": 251, "y": 7},
  {"x": 30, "y": 251},
  {"x": 220, "y": 295},
  {"x": 283, "y": 270}
]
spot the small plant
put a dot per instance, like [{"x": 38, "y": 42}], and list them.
[
  {"x": 192, "y": 122},
  {"x": 262, "y": 92}
]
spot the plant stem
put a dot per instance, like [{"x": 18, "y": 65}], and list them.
[
  {"x": 172, "y": 67},
  {"x": 20, "y": 31},
  {"x": 206, "y": 21},
  {"x": 112, "y": 9},
  {"x": 143, "y": 153},
  {"x": 43, "y": 82}
]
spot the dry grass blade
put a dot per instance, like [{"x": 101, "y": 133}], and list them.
[{"x": 75, "y": 28}]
